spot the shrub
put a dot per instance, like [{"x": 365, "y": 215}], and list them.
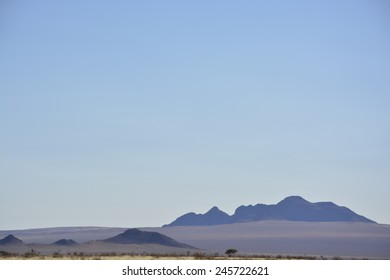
[{"x": 230, "y": 252}]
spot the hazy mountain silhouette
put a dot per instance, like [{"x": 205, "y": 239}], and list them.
[
  {"x": 213, "y": 217},
  {"x": 293, "y": 208},
  {"x": 136, "y": 236},
  {"x": 10, "y": 240},
  {"x": 65, "y": 242}
]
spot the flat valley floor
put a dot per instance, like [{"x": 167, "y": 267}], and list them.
[{"x": 347, "y": 240}]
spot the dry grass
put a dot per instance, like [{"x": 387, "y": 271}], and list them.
[{"x": 113, "y": 256}]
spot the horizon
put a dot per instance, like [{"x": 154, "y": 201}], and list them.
[
  {"x": 202, "y": 213},
  {"x": 132, "y": 113}
]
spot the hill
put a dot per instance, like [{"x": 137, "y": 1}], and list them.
[
  {"x": 10, "y": 240},
  {"x": 65, "y": 242},
  {"x": 136, "y": 236},
  {"x": 293, "y": 208}
]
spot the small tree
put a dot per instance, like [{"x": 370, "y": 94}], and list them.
[{"x": 230, "y": 252}]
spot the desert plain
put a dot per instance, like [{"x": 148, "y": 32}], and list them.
[{"x": 345, "y": 240}]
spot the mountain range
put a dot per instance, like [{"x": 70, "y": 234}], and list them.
[{"x": 292, "y": 208}]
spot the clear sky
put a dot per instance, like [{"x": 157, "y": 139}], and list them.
[{"x": 131, "y": 113}]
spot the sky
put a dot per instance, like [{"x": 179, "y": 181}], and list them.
[{"x": 132, "y": 113}]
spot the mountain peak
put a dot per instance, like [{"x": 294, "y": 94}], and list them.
[
  {"x": 215, "y": 209},
  {"x": 293, "y": 199},
  {"x": 212, "y": 217}
]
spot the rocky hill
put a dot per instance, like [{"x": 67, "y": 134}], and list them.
[
  {"x": 10, "y": 240},
  {"x": 136, "y": 236},
  {"x": 65, "y": 242},
  {"x": 293, "y": 208}
]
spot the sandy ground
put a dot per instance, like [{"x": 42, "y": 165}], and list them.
[{"x": 341, "y": 239}]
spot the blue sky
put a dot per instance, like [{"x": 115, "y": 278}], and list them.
[{"x": 131, "y": 113}]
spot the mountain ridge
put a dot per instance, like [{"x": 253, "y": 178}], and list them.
[{"x": 292, "y": 208}]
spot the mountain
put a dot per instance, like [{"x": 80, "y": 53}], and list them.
[
  {"x": 293, "y": 208},
  {"x": 136, "y": 236},
  {"x": 10, "y": 240},
  {"x": 65, "y": 242},
  {"x": 213, "y": 217}
]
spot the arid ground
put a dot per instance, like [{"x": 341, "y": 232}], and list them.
[{"x": 346, "y": 240}]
